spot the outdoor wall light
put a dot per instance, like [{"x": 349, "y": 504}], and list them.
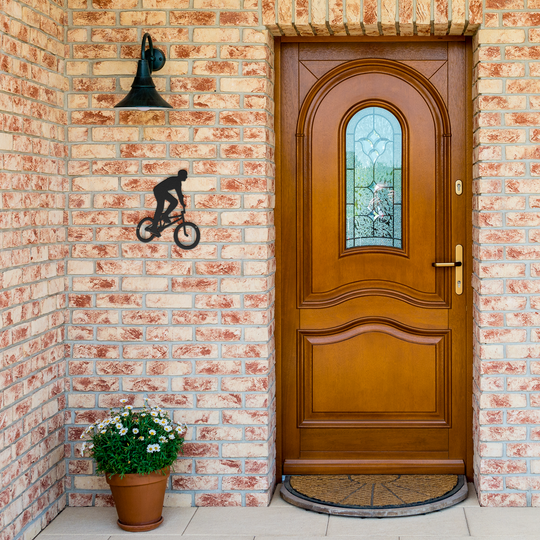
[{"x": 143, "y": 94}]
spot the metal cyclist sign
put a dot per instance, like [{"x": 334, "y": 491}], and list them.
[{"x": 186, "y": 235}]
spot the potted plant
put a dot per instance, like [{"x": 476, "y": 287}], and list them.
[{"x": 136, "y": 450}]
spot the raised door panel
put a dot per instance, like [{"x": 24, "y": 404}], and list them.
[
  {"x": 373, "y": 443},
  {"x": 374, "y": 373},
  {"x": 331, "y": 271}
]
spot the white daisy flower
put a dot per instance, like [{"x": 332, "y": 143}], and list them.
[
  {"x": 171, "y": 436},
  {"x": 123, "y": 401},
  {"x": 116, "y": 418},
  {"x": 152, "y": 432},
  {"x": 123, "y": 431},
  {"x": 125, "y": 413},
  {"x": 154, "y": 413},
  {"x": 135, "y": 430},
  {"x": 153, "y": 448},
  {"x": 119, "y": 425},
  {"x": 162, "y": 439},
  {"x": 168, "y": 428},
  {"x": 141, "y": 438},
  {"x": 103, "y": 431},
  {"x": 129, "y": 407},
  {"x": 83, "y": 448},
  {"x": 144, "y": 414}
]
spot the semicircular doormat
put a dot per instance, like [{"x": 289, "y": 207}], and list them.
[{"x": 375, "y": 495}]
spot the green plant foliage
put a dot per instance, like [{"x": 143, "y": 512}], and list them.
[{"x": 134, "y": 441}]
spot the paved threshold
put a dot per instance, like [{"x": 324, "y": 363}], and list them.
[{"x": 286, "y": 522}]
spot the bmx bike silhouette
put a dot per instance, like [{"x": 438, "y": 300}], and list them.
[{"x": 186, "y": 236}]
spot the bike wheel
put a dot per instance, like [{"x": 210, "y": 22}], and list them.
[
  {"x": 143, "y": 234},
  {"x": 189, "y": 240}
]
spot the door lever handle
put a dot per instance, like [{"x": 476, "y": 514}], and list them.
[
  {"x": 459, "y": 268},
  {"x": 438, "y": 265}
]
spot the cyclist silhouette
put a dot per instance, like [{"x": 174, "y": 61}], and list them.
[{"x": 161, "y": 193}]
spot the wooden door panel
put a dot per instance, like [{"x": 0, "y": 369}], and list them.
[
  {"x": 373, "y": 373},
  {"x": 394, "y": 308},
  {"x": 400, "y": 50},
  {"x": 330, "y": 273},
  {"x": 372, "y": 443},
  {"x": 373, "y": 347},
  {"x": 379, "y": 367}
]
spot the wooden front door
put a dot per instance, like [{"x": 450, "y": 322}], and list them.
[{"x": 374, "y": 338}]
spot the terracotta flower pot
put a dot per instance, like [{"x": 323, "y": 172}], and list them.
[{"x": 139, "y": 499}]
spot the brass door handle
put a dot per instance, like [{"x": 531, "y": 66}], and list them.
[
  {"x": 438, "y": 265},
  {"x": 458, "y": 265}
]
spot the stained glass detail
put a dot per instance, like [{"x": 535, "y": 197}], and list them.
[{"x": 373, "y": 178}]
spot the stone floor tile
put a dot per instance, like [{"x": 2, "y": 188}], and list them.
[
  {"x": 449, "y": 522},
  {"x": 278, "y": 521},
  {"x": 46, "y": 536},
  {"x": 101, "y": 521},
  {"x": 493, "y": 537},
  {"x": 83, "y": 521},
  {"x": 277, "y": 500},
  {"x": 467, "y": 537},
  {"x": 156, "y": 535},
  {"x": 518, "y": 522},
  {"x": 472, "y": 498},
  {"x": 325, "y": 538}
]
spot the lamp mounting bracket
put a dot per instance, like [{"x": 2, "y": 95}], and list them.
[{"x": 155, "y": 57}]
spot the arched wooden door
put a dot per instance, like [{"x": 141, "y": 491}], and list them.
[{"x": 374, "y": 350}]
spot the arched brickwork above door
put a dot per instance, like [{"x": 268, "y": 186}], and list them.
[{"x": 372, "y": 17}]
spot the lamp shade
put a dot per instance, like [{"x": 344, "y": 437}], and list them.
[{"x": 143, "y": 94}]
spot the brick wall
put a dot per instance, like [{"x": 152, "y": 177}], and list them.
[
  {"x": 32, "y": 260},
  {"x": 506, "y": 188},
  {"x": 507, "y": 253},
  {"x": 192, "y": 330}
]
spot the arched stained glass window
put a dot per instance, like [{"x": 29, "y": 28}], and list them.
[{"x": 374, "y": 187}]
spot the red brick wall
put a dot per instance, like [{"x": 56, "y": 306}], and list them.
[
  {"x": 192, "y": 330},
  {"x": 33, "y": 184}
]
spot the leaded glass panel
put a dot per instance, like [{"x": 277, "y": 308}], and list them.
[{"x": 373, "y": 178}]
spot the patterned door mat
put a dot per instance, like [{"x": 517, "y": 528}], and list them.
[{"x": 375, "y": 495}]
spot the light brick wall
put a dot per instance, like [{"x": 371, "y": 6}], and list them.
[
  {"x": 32, "y": 261},
  {"x": 506, "y": 188},
  {"x": 372, "y": 17},
  {"x": 507, "y": 254},
  {"x": 192, "y": 330}
]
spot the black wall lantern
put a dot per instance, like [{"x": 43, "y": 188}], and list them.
[{"x": 143, "y": 94}]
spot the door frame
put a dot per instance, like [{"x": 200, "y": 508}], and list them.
[{"x": 467, "y": 192}]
